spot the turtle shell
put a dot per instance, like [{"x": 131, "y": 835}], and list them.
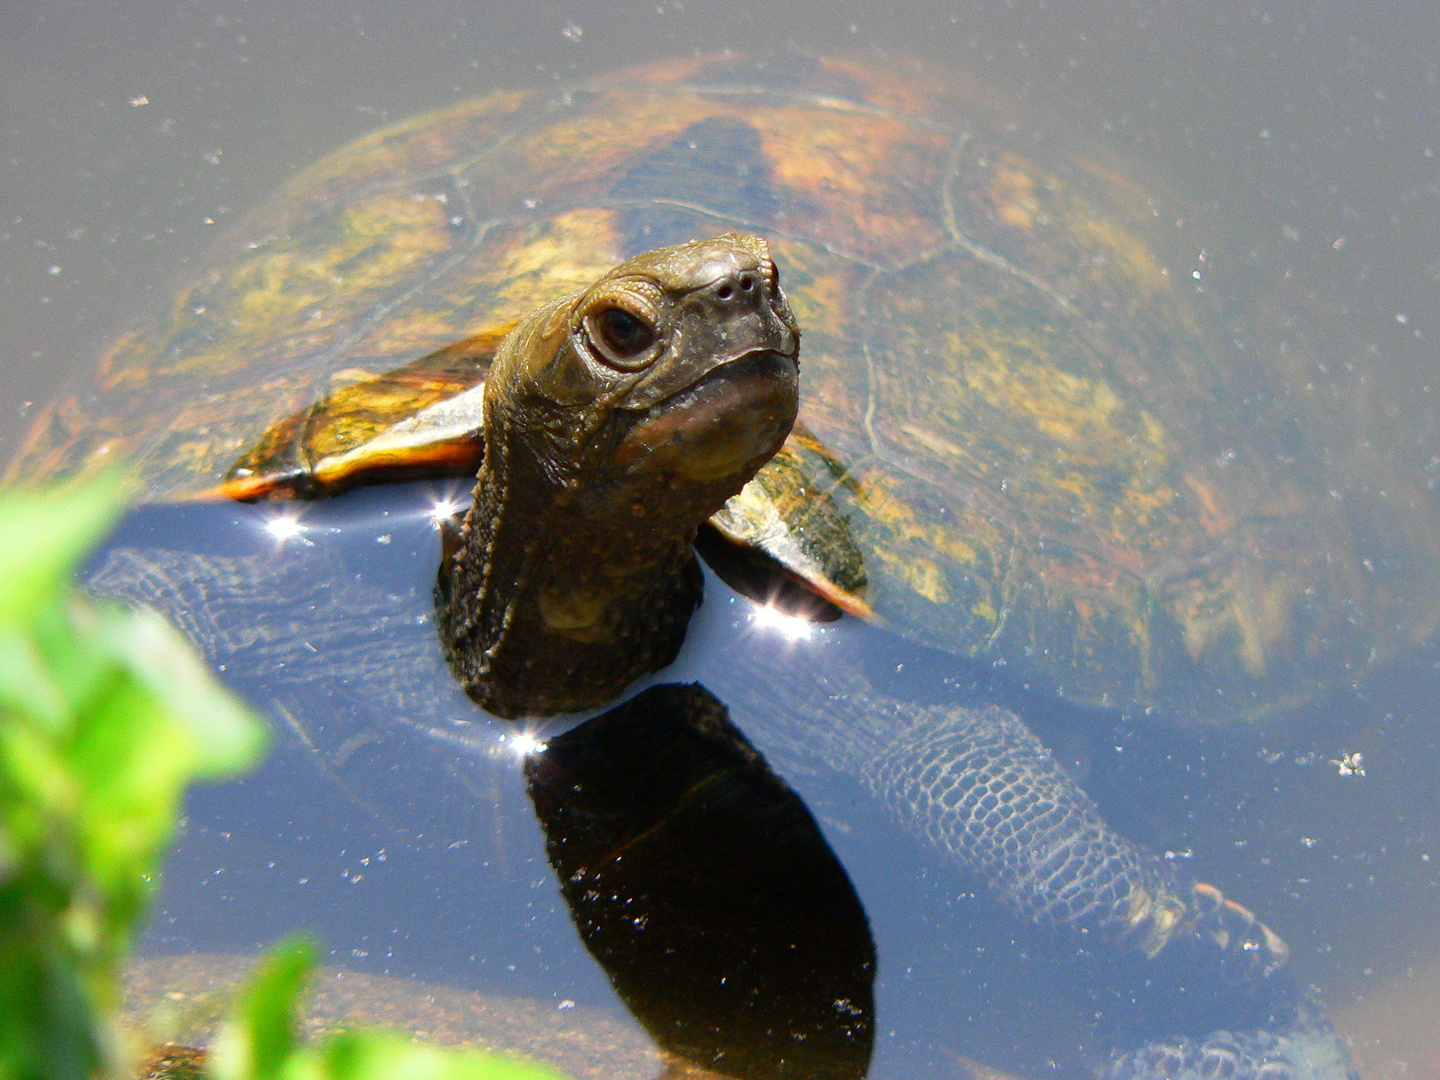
[{"x": 1024, "y": 435}]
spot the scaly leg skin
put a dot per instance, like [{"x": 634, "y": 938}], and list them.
[
  {"x": 1212, "y": 1000},
  {"x": 980, "y": 786},
  {"x": 1301, "y": 1046},
  {"x": 977, "y": 783}
]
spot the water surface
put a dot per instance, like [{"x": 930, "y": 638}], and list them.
[{"x": 1305, "y": 135}]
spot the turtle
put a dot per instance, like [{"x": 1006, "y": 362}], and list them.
[
  {"x": 1072, "y": 472},
  {"x": 1009, "y": 446}
]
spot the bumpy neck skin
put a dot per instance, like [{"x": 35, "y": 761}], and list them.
[
  {"x": 572, "y": 574},
  {"x": 559, "y": 598}
]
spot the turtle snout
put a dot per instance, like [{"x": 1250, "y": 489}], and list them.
[
  {"x": 751, "y": 294},
  {"x": 744, "y": 288}
]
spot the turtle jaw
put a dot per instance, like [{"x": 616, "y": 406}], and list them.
[{"x": 727, "y": 424}]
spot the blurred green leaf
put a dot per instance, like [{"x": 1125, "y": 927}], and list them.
[
  {"x": 225, "y": 736},
  {"x": 260, "y": 1041},
  {"x": 25, "y": 682},
  {"x": 375, "y": 1055},
  {"x": 261, "y": 1035},
  {"x": 43, "y": 537},
  {"x": 105, "y": 716}
]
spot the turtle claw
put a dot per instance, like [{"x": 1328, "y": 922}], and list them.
[
  {"x": 1236, "y": 931},
  {"x": 1209, "y": 919}
]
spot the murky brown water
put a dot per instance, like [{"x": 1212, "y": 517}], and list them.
[{"x": 1307, "y": 134}]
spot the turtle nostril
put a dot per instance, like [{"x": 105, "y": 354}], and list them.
[
  {"x": 725, "y": 291},
  {"x": 746, "y": 282}
]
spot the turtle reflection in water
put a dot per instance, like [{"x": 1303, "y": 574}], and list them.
[{"x": 1010, "y": 444}]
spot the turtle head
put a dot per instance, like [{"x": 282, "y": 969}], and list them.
[
  {"x": 681, "y": 360},
  {"x": 617, "y": 420}
]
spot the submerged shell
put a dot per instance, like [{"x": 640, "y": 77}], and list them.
[{"x": 1024, "y": 436}]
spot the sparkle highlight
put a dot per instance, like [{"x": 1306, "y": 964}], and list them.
[{"x": 791, "y": 627}]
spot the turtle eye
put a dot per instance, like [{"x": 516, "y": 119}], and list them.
[{"x": 621, "y": 335}]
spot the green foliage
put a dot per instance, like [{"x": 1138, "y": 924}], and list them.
[
  {"x": 259, "y": 1041},
  {"x": 105, "y": 716},
  {"x": 260, "y": 1037}
]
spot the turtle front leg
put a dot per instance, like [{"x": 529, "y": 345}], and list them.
[{"x": 978, "y": 784}]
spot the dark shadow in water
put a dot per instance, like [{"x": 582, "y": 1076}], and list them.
[{"x": 702, "y": 885}]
